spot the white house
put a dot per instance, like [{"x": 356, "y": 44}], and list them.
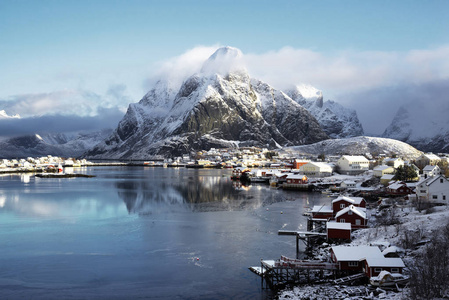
[
  {"x": 431, "y": 171},
  {"x": 394, "y": 162},
  {"x": 435, "y": 189},
  {"x": 427, "y": 159},
  {"x": 380, "y": 171},
  {"x": 316, "y": 169},
  {"x": 353, "y": 164}
]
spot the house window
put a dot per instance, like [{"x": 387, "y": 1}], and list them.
[
  {"x": 342, "y": 221},
  {"x": 394, "y": 270},
  {"x": 353, "y": 264},
  {"x": 342, "y": 205},
  {"x": 349, "y": 212},
  {"x": 358, "y": 222},
  {"x": 441, "y": 180},
  {"x": 422, "y": 191},
  {"x": 434, "y": 196},
  {"x": 377, "y": 270},
  {"x": 444, "y": 197}
]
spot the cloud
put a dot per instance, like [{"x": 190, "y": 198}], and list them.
[
  {"x": 179, "y": 68},
  {"x": 57, "y": 123}
]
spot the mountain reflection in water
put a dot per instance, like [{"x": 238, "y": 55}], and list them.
[{"x": 195, "y": 190}]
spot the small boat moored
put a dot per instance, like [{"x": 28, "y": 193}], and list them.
[{"x": 386, "y": 278}]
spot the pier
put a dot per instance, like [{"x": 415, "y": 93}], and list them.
[
  {"x": 276, "y": 273},
  {"x": 308, "y": 237}
]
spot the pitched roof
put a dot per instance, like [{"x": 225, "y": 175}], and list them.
[
  {"x": 356, "y": 253},
  {"x": 321, "y": 209},
  {"x": 357, "y": 210},
  {"x": 353, "y": 200},
  {"x": 391, "y": 262},
  {"x": 355, "y": 158},
  {"x": 338, "y": 225}
]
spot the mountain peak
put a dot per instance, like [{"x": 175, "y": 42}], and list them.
[{"x": 223, "y": 61}]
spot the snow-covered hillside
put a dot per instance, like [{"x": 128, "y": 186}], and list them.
[
  {"x": 222, "y": 106},
  {"x": 358, "y": 146},
  {"x": 337, "y": 121}
]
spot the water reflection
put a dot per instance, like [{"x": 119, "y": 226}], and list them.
[{"x": 191, "y": 190}]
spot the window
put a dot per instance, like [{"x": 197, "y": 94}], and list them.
[
  {"x": 441, "y": 180},
  {"x": 394, "y": 270},
  {"x": 422, "y": 191},
  {"x": 434, "y": 196},
  {"x": 353, "y": 264},
  {"x": 377, "y": 270},
  {"x": 342, "y": 221},
  {"x": 342, "y": 205},
  {"x": 358, "y": 222},
  {"x": 350, "y": 212},
  {"x": 444, "y": 197}
]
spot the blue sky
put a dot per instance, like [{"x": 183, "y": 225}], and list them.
[{"x": 78, "y": 57}]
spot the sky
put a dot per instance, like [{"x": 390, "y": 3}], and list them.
[{"x": 83, "y": 62}]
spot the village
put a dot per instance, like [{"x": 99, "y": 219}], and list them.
[{"x": 344, "y": 246}]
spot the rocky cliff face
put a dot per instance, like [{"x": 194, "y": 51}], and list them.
[
  {"x": 219, "y": 107},
  {"x": 421, "y": 125},
  {"x": 336, "y": 120}
]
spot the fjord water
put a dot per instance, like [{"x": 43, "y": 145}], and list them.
[{"x": 136, "y": 232}]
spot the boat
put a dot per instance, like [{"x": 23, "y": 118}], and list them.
[{"x": 385, "y": 279}]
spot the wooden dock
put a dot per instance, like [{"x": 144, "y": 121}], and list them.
[
  {"x": 286, "y": 270},
  {"x": 306, "y": 236}
]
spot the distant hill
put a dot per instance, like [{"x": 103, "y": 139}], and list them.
[{"x": 358, "y": 146}]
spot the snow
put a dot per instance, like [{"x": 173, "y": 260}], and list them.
[
  {"x": 356, "y": 253},
  {"x": 322, "y": 209},
  {"x": 357, "y": 210},
  {"x": 338, "y": 225},
  {"x": 358, "y": 146},
  {"x": 391, "y": 262},
  {"x": 353, "y": 200}
]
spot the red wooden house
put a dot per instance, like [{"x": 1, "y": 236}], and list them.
[
  {"x": 322, "y": 212},
  {"x": 373, "y": 266},
  {"x": 354, "y": 215},
  {"x": 351, "y": 259},
  {"x": 342, "y": 202},
  {"x": 398, "y": 188},
  {"x": 338, "y": 231}
]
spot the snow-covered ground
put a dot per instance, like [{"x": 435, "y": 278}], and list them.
[{"x": 411, "y": 222}]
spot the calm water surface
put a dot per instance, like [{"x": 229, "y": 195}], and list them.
[{"x": 148, "y": 233}]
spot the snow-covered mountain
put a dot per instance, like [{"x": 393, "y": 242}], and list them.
[
  {"x": 219, "y": 107},
  {"x": 51, "y": 144},
  {"x": 358, "y": 146},
  {"x": 423, "y": 125},
  {"x": 336, "y": 120}
]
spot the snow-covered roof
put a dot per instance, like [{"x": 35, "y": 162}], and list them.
[
  {"x": 338, "y": 225},
  {"x": 357, "y": 210},
  {"x": 353, "y": 200},
  {"x": 382, "y": 167},
  {"x": 352, "y": 158},
  {"x": 322, "y": 209},
  {"x": 356, "y": 253},
  {"x": 387, "y": 176},
  {"x": 396, "y": 185},
  {"x": 431, "y": 156},
  {"x": 296, "y": 176},
  {"x": 430, "y": 168},
  {"x": 391, "y": 262}
]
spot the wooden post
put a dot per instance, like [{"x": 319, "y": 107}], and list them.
[{"x": 297, "y": 246}]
